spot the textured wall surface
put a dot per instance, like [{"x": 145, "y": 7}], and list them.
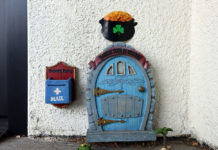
[
  {"x": 68, "y": 30},
  {"x": 203, "y": 104}
]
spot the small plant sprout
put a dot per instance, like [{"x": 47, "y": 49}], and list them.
[
  {"x": 84, "y": 147},
  {"x": 164, "y": 131}
]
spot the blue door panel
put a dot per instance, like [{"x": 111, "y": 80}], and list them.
[{"x": 121, "y": 108}]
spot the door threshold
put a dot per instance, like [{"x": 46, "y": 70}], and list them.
[{"x": 120, "y": 136}]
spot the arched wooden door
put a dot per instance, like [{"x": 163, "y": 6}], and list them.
[{"x": 121, "y": 93}]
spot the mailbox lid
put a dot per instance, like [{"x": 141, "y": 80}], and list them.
[
  {"x": 50, "y": 82},
  {"x": 59, "y": 91}
]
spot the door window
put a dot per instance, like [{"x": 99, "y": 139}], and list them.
[
  {"x": 110, "y": 70},
  {"x": 131, "y": 71},
  {"x": 120, "y": 68}
]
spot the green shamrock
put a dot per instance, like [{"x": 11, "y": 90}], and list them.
[{"x": 118, "y": 29}]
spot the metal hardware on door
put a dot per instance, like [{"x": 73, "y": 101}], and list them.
[
  {"x": 97, "y": 91},
  {"x": 141, "y": 89},
  {"x": 102, "y": 121}
]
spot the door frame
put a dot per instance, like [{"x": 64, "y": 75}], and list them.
[
  {"x": 95, "y": 132},
  {"x": 91, "y": 104},
  {"x": 92, "y": 107},
  {"x": 92, "y": 85}
]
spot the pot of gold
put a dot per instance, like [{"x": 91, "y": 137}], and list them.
[{"x": 118, "y": 26}]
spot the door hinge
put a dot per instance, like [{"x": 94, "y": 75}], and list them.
[
  {"x": 97, "y": 91},
  {"x": 102, "y": 121}
]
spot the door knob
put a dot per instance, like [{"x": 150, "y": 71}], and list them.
[{"x": 141, "y": 89}]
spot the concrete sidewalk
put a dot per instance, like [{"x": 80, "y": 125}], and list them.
[{"x": 24, "y": 143}]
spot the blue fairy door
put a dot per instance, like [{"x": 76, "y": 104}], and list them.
[{"x": 121, "y": 94}]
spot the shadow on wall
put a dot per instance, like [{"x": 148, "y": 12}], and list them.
[
  {"x": 78, "y": 91},
  {"x": 157, "y": 98}
]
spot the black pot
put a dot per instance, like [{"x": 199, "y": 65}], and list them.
[{"x": 117, "y": 30}]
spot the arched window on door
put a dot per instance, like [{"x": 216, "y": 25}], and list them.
[
  {"x": 131, "y": 70},
  {"x": 120, "y": 68},
  {"x": 110, "y": 70}
]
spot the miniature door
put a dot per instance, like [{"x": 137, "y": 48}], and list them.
[{"x": 121, "y": 95}]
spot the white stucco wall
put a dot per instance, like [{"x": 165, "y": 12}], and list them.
[
  {"x": 68, "y": 30},
  {"x": 203, "y": 103}
]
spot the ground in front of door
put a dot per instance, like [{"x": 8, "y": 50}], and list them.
[{"x": 54, "y": 143}]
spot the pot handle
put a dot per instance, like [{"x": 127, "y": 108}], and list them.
[
  {"x": 101, "y": 21},
  {"x": 135, "y": 23}
]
